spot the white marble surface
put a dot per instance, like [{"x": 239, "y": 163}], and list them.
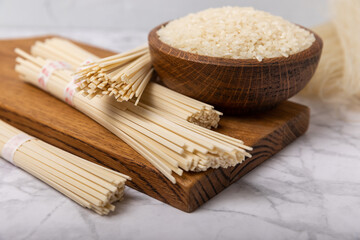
[{"x": 310, "y": 190}]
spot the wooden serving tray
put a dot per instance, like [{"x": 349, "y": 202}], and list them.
[{"x": 41, "y": 115}]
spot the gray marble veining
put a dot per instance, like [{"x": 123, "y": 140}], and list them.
[{"x": 310, "y": 190}]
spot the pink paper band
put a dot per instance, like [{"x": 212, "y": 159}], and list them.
[
  {"x": 70, "y": 91},
  {"x": 48, "y": 69}
]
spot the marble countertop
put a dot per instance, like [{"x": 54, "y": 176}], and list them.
[{"x": 310, "y": 190}]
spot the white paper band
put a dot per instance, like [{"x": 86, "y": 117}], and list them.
[
  {"x": 48, "y": 69},
  {"x": 13, "y": 144}
]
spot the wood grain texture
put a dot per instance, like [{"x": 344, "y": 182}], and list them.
[
  {"x": 51, "y": 120},
  {"x": 234, "y": 86}
]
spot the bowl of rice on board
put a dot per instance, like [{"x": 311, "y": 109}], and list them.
[{"x": 240, "y": 60}]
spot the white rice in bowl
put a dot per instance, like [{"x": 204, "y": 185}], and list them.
[{"x": 237, "y": 33}]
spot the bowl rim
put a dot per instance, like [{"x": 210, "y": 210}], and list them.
[{"x": 155, "y": 42}]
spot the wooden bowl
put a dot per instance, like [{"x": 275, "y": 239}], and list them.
[{"x": 234, "y": 86}]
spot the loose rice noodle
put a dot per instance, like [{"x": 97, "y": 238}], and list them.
[{"x": 337, "y": 79}]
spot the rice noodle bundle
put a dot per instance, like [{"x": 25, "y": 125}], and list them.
[
  {"x": 86, "y": 183},
  {"x": 169, "y": 143},
  {"x": 154, "y": 95}
]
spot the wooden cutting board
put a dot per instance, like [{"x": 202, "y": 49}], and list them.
[{"x": 51, "y": 120}]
